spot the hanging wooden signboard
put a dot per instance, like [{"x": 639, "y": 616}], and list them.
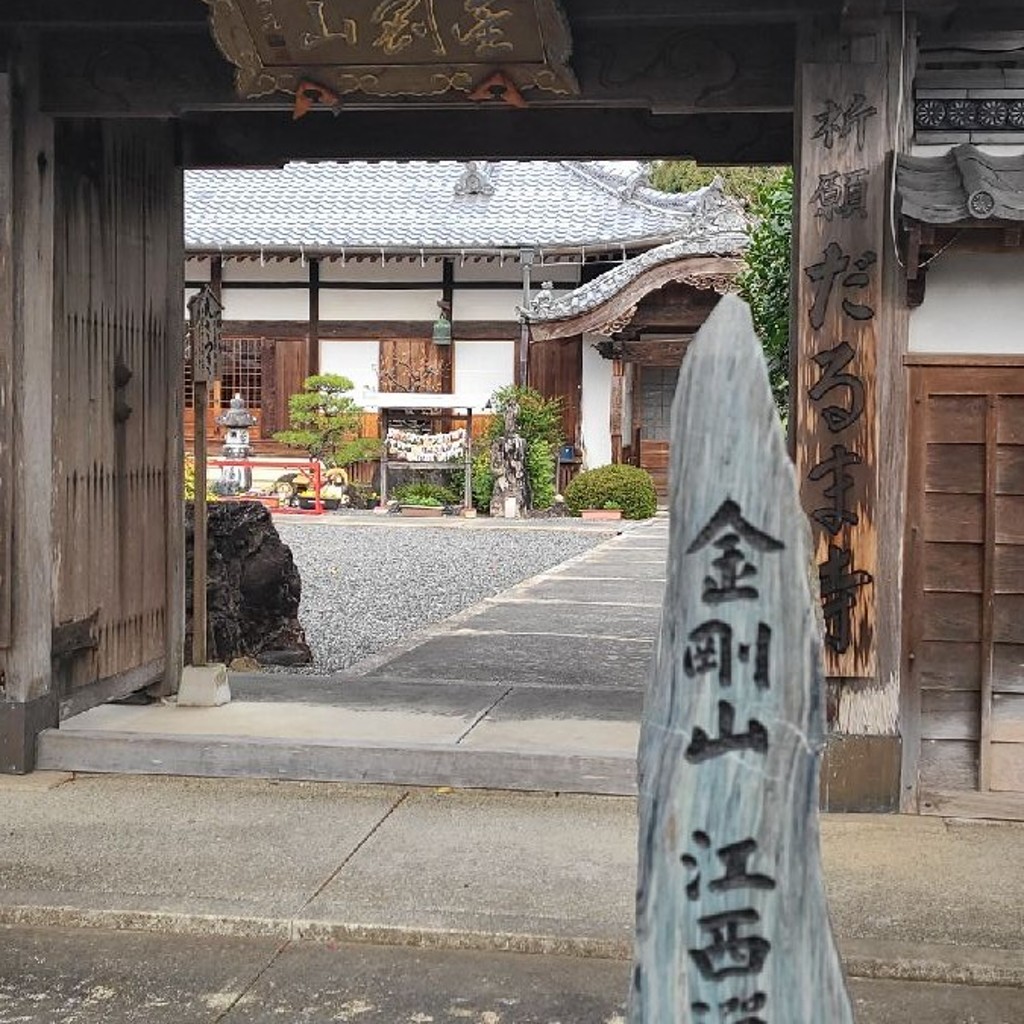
[
  {"x": 838, "y": 289},
  {"x": 394, "y": 47},
  {"x": 731, "y": 921},
  {"x": 204, "y": 313}
]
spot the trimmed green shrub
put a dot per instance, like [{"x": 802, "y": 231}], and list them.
[
  {"x": 483, "y": 481},
  {"x": 424, "y": 493},
  {"x": 627, "y": 487},
  {"x": 540, "y": 471}
]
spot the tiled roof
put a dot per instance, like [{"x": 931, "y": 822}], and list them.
[
  {"x": 961, "y": 185},
  {"x": 439, "y": 206},
  {"x": 546, "y": 307}
]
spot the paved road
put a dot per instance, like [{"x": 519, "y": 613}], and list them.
[{"x": 85, "y": 976}]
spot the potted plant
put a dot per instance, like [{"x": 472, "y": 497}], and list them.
[
  {"x": 424, "y": 508},
  {"x": 610, "y": 510}
]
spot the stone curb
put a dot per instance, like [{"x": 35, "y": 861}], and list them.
[{"x": 862, "y": 958}]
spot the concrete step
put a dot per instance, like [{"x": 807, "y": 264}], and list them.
[{"x": 473, "y": 737}]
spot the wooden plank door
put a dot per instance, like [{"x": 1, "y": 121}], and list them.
[
  {"x": 556, "y": 371},
  {"x": 117, "y": 274},
  {"x": 285, "y": 365},
  {"x": 964, "y": 589}
]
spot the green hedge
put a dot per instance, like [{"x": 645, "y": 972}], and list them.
[{"x": 627, "y": 487}]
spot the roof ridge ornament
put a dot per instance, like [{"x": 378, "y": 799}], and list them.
[{"x": 474, "y": 182}]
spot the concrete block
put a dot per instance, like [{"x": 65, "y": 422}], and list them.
[{"x": 204, "y": 686}]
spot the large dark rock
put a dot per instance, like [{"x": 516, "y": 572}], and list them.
[{"x": 253, "y": 588}]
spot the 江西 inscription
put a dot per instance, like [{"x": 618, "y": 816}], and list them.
[
  {"x": 838, "y": 294},
  {"x": 731, "y": 918},
  {"x": 393, "y": 47}
]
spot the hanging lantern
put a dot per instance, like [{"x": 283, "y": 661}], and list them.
[{"x": 442, "y": 334}]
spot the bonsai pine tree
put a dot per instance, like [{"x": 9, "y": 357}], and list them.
[{"x": 325, "y": 420}]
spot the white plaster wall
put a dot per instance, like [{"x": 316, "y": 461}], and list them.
[
  {"x": 974, "y": 303},
  {"x": 512, "y": 272},
  {"x": 359, "y": 304},
  {"x": 197, "y": 270},
  {"x": 408, "y": 270},
  {"x": 596, "y": 401},
  {"x": 271, "y": 270},
  {"x": 486, "y": 304},
  {"x": 261, "y": 304},
  {"x": 356, "y": 360},
  {"x": 481, "y": 367}
]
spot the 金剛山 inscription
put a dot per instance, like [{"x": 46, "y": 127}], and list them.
[
  {"x": 731, "y": 919},
  {"x": 393, "y": 47}
]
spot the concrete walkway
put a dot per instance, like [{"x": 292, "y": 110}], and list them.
[
  {"x": 915, "y": 898},
  {"x": 538, "y": 688}
]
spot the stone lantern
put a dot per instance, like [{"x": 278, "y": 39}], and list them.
[{"x": 236, "y": 422}]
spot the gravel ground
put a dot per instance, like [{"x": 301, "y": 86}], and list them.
[{"x": 365, "y": 588}]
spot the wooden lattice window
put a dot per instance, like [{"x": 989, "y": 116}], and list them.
[{"x": 241, "y": 372}]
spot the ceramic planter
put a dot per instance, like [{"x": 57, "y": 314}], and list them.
[{"x": 601, "y": 513}]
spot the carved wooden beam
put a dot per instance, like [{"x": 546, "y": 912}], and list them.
[
  {"x": 144, "y": 73},
  {"x": 491, "y": 133}
]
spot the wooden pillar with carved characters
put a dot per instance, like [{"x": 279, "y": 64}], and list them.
[{"x": 850, "y": 330}]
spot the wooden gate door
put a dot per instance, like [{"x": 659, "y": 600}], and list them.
[
  {"x": 556, "y": 371},
  {"x": 964, "y": 590},
  {"x": 118, "y": 342}
]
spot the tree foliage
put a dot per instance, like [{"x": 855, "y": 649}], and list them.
[
  {"x": 765, "y": 282},
  {"x": 744, "y": 183},
  {"x": 325, "y": 420}
]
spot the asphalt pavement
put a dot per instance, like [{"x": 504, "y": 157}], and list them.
[{"x": 60, "y": 976}]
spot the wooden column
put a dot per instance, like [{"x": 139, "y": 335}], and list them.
[
  {"x": 175, "y": 476},
  {"x": 313, "y": 350},
  {"x": 615, "y": 408},
  {"x": 447, "y": 356},
  {"x": 27, "y": 703},
  {"x": 6, "y": 353},
  {"x": 850, "y": 335}
]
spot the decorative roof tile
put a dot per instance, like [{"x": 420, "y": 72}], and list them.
[
  {"x": 545, "y": 307},
  {"x": 554, "y": 205},
  {"x": 961, "y": 185}
]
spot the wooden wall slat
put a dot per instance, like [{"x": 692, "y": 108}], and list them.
[
  {"x": 948, "y": 764},
  {"x": 1008, "y": 668},
  {"x": 1010, "y": 472},
  {"x": 1009, "y": 524},
  {"x": 949, "y": 714},
  {"x": 955, "y": 419},
  {"x": 1008, "y": 624},
  {"x": 556, "y": 371},
  {"x": 945, "y": 665},
  {"x": 954, "y": 517},
  {"x": 956, "y": 468},
  {"x": 1008, "y": 767},
  {"x": 951, "y": 617},
  {"x": 1008, "y": 718},
  {"x": 1009, "y": 569},
  {"x": 953, "y": 567},
  {"x": 1011, "y": 418}
]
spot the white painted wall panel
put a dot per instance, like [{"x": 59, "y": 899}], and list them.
[
  {"x": 197, "y": 270},
  {"x": 360, "y": 304},
  {"x": 596, "y": 406},
  {"x": 486, "y": 304},
  {"x": 974, "y": 303},
  {"x": 371, "y": 270},
  {"x": 272, "y": 270},
  {"x": 266, "y": 304},
  {"x": 481, "y": 367},
  {"x": 356, "y": 360}
]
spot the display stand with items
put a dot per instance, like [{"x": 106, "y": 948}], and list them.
[{"x": 411, "y": 440}]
